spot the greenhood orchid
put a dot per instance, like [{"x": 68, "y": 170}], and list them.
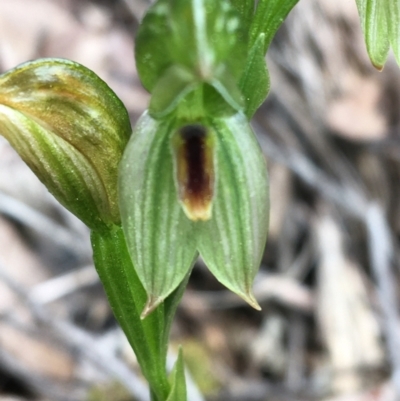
[
  {"x": 193, "y": 178},
  {"x": 190, "y": 180}
]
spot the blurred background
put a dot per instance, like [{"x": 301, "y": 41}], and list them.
[{"x": 329, "y": 282}]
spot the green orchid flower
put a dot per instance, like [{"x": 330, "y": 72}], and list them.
[
  {"x": 189, "y": 181},
  {"x": 199, "y": 187},
  {"x": 193, "y": 178}
]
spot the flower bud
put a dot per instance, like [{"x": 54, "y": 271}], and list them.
[{"x": 71, "y": 129}]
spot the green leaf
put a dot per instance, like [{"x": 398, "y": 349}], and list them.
[
  {"x": 177, "y": 380},
  {"x": 375, "y": 27},
  {"x": 159, "y": 236},
  {"x": 254, "y": 83},
  {"x": 380, "y": 21},
  {"x": 127, "y": 298},
  {"x": 200, "y": 35},
  {"x": 393, "y": 14},
  {"x": 268, "y": 18},
  {"x": 71, "y": 129},
  {"x": 232, "y": 242}
]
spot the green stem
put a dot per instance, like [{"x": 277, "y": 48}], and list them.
[
  {"x": 127, "y": 298},
  {"x": 153, "y": 397}
]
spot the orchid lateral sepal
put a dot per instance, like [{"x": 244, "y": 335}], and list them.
[{"x": 153, "y": 220}]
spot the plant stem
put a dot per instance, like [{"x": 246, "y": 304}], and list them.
[{"x": 127, "y": 298}]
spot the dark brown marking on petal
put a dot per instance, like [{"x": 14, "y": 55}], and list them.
[
  {"x": 195, "y": 171},
  {"x": 197, "y": 177}
]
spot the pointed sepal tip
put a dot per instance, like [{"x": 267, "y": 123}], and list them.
[
  {"x": 151, "y": 305},
  {"x": 250, "y": 299}
]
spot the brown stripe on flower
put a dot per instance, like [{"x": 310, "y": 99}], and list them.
[{"x": 194, "y": 161}]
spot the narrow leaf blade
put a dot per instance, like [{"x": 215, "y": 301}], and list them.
[
  {"x": 268, "y": 17},
  {"x": 177, "y": 380},
  {"x": 376, "y": 30},
  {"x": 254, "y": 83},
  {"x": 393, "y": 16}
]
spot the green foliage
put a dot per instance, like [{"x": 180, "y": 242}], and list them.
[
  {"x": 254, "y": 82},
  {"x": 177, "y": 380},
  {"x": 245, "y": 8},
  {"x": 380, "y": 21},
  {"x": 127, "y": 298},
  {"x": 148, "y": 338},
  {"x": 268, "y": 17}
]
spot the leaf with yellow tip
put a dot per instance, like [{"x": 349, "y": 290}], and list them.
[{"x": 380, "y": 21}]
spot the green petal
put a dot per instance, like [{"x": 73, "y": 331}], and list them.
[
  {"x": 75, "y": 109},
  {"x": 373, "y": 15},
  {"x": 231, "y": 243},
  {"x": 160, "y": 238}
]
